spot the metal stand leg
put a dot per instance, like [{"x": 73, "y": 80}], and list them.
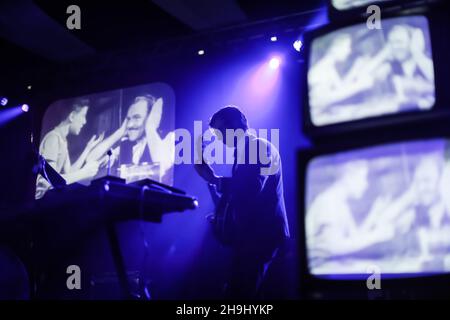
[{"x": 118, "y": 261}]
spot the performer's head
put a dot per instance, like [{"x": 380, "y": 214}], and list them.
[
  {"x": 229, "y": 117},
  {"x": 77, "y": 116},
  {"x": 136, "y": 116}
]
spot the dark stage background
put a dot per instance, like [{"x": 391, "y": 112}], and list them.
[
  {"x": 183, "y": 258},
  {"x": 123, "y": 45}
]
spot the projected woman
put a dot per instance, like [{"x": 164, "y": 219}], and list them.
[{"x": 55, "y": 151}]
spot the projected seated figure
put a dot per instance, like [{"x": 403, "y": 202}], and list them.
[
  {"x": 432, "y": 215},
  {"x": 334, "y": 94},
  {"x": 137, "y": 140},
  {"x": 412, "y": 73},
  {"x": 331, "y": 228},
  {"x": 444, "y": 221},
  {"x": 444, "y": 185},
  {"x": 54, "y": 149},
  {"x": 419, "y": 218}
]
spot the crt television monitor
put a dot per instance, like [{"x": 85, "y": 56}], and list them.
[
  {"x": 383, "y": 208},
  {"x": 359, "y": 77},
  {"x": 342, "y": 5}
]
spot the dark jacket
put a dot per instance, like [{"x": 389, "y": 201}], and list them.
[{"x": 256, "y": 191}]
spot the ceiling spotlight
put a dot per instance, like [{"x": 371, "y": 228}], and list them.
[
  {"x": 29, "y": 87},
  {"x": 274, "y": 63},
  {"x": 297, "y": 45},
  {"x": 273, "y": 38},
  {"x": 25, "y": 108},
  {"x": 3, "y": 101},
  {"x": 201, "y": 52}
]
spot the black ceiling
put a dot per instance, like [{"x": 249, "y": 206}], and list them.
[
  {"x": 34, "y": 33},
  {"x": 110, "y": 25}
]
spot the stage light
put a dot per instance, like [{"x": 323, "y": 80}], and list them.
[
  {"x": 201, "y": 52},
  {"x": 275, "y": 62},
  {"x": 273, "y": 38},
  {"x": 29, "y": 87},
  {"x": 297, "y": 45},
  {"x": 8, "y": 114},
  {"x": 25, "y": 108},
  {"x": 4, "y": 101}
]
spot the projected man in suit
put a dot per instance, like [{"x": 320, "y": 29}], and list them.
[
  {"x": 256, "y": 195},
  {"x": 137, "y": 140},
  {"x": 412, "y": 71},
  {"x": 432, "y": 222}
]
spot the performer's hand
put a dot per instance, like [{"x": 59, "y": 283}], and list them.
[
  {"x": 202, "y": 167},
  {"x": 207, "y": 173}
]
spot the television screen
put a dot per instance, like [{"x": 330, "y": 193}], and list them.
[
  {"x": 349, "y": 4},
  {"x": 356, "y": 73},
  {"x": 385, "y": 206},
  {"x": 127, "y": 133}
]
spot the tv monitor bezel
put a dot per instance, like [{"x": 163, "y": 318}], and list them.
[
  {"x": 334, "y": 14},
  {"x": 441, "y": 108},
  {"x": 309, "y": 281}
]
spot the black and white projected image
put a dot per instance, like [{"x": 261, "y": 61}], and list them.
[
  {"x": 385, "y": 206},
  {"x": 349, "y": 4},
  {"x": 127, "y": 133},
  {"x": 357, "y": 73}
]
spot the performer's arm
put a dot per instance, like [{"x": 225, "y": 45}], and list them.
[
  {"x": 251, "y": 178},
  {"x": 206, "y": 172},
  {"x": 203, "y": 168}
]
